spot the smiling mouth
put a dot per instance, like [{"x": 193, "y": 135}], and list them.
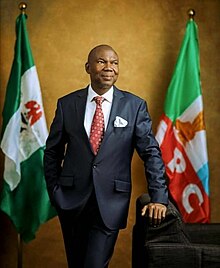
[{"x": 107, "y": 77}]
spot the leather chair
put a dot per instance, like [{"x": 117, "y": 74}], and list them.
[{"x": 173, "y": 243}]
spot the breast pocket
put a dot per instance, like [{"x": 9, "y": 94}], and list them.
[{"x": 122, "y": 130}]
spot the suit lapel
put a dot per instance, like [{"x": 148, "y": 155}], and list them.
[
  {"x": 80, "y": 110},
  {"x": 118, "y": 97}
]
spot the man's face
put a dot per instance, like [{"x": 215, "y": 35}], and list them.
[{"x": 103, "y": 68}]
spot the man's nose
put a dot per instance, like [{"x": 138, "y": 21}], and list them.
[{"x": 108, "y": 66}]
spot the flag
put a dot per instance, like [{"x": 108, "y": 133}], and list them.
[
  {"x": 181, "y": 134},
  {"x": 24, "y": 196}
]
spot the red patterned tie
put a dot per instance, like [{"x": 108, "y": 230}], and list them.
[{"x": 98, "y": 125}]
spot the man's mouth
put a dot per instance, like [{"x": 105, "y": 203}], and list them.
[{"x": 106, "y": 77}]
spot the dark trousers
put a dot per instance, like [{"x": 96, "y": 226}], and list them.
[{"x": 88, "y": 242}]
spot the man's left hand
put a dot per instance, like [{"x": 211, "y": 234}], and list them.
[{"x": 156, "y": 213}]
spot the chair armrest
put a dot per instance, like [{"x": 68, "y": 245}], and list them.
[{"x": 170, "y": 230}]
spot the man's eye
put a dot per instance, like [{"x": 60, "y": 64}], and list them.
[
  {"x": 115, "y": 63},
  {"x": 100, "y": 61}
]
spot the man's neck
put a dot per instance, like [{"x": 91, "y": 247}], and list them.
[{"x": 101, "y": 91}]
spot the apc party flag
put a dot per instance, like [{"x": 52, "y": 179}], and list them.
[
  {"x": 24, "y": 196},
  {"x": 182, "y": 135}
]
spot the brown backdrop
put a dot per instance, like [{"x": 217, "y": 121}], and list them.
[{"x": 147, "y": 35}]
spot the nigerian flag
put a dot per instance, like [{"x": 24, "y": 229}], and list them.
[
  {"x": 24, "y": 196},
  {"x": 182, "y": 134}
]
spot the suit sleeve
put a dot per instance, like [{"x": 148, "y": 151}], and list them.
[
  {"x": 54, "y": 152},
  {"x": 149, "y": 151}
]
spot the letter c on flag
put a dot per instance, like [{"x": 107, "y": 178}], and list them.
[{"x": 191, "y": 189}]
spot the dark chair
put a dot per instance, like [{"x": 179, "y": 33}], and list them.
[{"x": 173, "y": 243}]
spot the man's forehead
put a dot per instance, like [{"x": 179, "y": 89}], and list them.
[
  {"x": 106, "y": 53},
  {"x": 103, "y": 52}
]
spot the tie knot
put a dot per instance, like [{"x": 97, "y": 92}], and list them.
[{"x": 99, "y": 100}]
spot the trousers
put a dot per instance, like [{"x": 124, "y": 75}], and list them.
[{"x": 88, "y": 242}]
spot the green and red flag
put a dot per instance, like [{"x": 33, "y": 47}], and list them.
[
  {"x": 24, "y": 197},
  {"x": 182, "y": 135}
]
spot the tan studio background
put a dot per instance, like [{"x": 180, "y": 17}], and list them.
[{"x": 147, "y": 35}]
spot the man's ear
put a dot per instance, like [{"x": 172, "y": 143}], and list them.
[{"x": 87, "y": 67}]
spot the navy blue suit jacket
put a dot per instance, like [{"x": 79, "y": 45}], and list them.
[{"x": 72, "y": 170}]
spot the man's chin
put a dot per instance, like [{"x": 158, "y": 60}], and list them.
[
  {"x": 103, "y": 86},
  {"x": 106, "y": 85}
]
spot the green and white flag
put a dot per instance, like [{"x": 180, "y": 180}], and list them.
[{"x": 24, "y": 197}]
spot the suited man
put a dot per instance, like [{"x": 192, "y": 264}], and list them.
[{"x": 91, "y": 190}]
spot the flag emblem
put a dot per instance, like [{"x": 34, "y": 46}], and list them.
[{"x": 34, "y": 112}]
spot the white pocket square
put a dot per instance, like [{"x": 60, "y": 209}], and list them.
[{"x": 120, "y": 122}]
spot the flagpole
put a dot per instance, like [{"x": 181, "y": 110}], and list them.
[
  {"x": 191, "y": 14},
  {"x": 20, "y": 251},
  {"x": 22, "y": 6}
]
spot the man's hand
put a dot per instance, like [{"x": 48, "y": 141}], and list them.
[{"x": 156, "y": 212}]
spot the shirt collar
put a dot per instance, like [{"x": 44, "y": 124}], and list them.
[{"x": 108, "y": 96}]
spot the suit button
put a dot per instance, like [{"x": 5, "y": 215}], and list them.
[{"x": 94, "y": 166}]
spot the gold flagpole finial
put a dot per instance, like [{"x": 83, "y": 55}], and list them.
[
  {"x": 191, "y": 13},
  {"x": 22, "y": 6}
]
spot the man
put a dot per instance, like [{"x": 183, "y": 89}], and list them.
[{"x": 90, "y": 186}]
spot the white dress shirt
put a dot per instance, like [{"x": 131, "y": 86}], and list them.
[{"x": 91, "y": 106}]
